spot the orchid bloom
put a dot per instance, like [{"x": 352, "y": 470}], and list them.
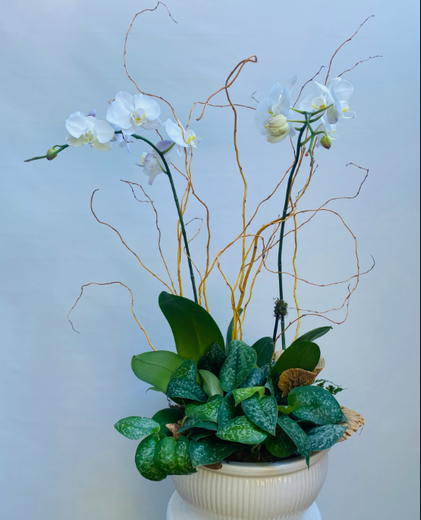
[
  {"x": 273, "y": 112},
  {"x": 152, "y": 162},
  {"x": 88, "y": 130},
  {"x": 133, "y": 112},
  {"x": 334, "y": 98},
  {"x": 181, "y": 137}
]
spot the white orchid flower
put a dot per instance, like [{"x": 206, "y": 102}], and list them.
[
  {"x": 152, "y": 163},
  {"x": 278, "y": 103},
  {"x": 122, "y": 138},
  {"x": 181, "y": 137},
  {"x": 133, "y": 112},
  {"x": 88, "y": 130}
]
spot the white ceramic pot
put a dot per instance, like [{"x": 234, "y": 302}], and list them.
[{"x": 238, "y": 491}]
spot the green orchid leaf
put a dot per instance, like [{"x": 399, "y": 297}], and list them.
[
  {"x": 211, "y": 451},
  {"x": 242, "y": 430},
  {"x": 165, "y": 455},
  {"x": 256, "y": 378},
  {"x": 145, "y": 459},
  {"x": 245, "y": 393},
  {"x": 240, "y": 362},
  {"x": 168, "y": 416},
  {"x": 324, "y": 437},
  {"x": 183, "y": 384},
  {"x": 156, "y": 368},
  {"x": 183, "y": 464},
  {"x": 262, "y": 411},
  {"x": 213, "y": 360},
  {"x": 231, "y": 330},
  {"x": 227, "y": 410},
  {"x": 211, "y": 384},
  {"x": 312, "y": 335},
  {"x": 205, "y": 412},
  {"x": 302, "y": 354},
  {"x": 193, "y": 327},
  {"x": 312, "y": 403},
  {"x": 297, "y": 435},
  {"x": 265, "y": 349},
  {"x": 135, "y": 428},
  {"x": 194, "y": 423},
  {"x": 280, "y": 446}
]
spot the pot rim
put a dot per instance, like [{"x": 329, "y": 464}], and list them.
[{"x": 267, "y": 469}]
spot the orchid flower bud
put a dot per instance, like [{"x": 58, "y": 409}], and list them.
[
  {"x": 277, "y": 129},
  {"x": 51, "y": 154},
  {"x": 326, "y": 142}
]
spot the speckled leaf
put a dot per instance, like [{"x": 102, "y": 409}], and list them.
[
  {"x": 256, "y": 378},
  {"x": 211, "y": 384},
  {"x": 280, "y": 446},
  {"x": 230, "y": 331},
  {"x": 324, "y": 437},
  {"x": 265, "y": 349},
  {"x": 213, "y": 360},
  {"x": 181, "y": 389},
  {"x": 165, "y": 455},
  {"x": 210, "y": 451},
  {"x": 242, "y": 430},
  {"x": 227, "y": 410},
  {"x": 312, "y": 403},
  {"x": 262, "y": 411},
  {"x": 187, "y": 371},
  {"x": 238, "y": 365},
  {"x": 301, "y": 354},
  {"x": 204, "y": 434},
  {"x": 314, "y": 334},
  {"x": 193, "y": 423},
  {"x": 297, "y": 435},
  {"x": 245, "y": 393},
  {"x": 135, "y": 428},
  {"x": 145, "y": 459},
  {"x": 269, "y": 386},
  {"x": 205, "y": 412},
  {"x": 168, "y": 416},
  {"x": 183, "y": 464}
]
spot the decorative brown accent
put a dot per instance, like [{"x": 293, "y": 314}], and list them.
[
  {"x": 216, "y": 466},
  {"x": 354, "y": 422},
  {"x": 174, "y": 428},
  {"x": 295, "y": 377}
]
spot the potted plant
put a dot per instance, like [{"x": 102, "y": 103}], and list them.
[{"x": 248, "y": 428}]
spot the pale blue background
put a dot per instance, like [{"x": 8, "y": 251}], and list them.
[{"x": 62, "y": 392}]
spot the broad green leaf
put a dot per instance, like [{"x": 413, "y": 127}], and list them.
[
  {"x": 200, "y": 435},
  {"x": 210, "y": 451},
  {"x": 280, "y": 446},
  {"x": 211, "y": 384},
  {"x": 187, "y": 371},
  {"x": 312, "y": 403},
  {"x": 165, "y": 455},
  {"x": 312, "y": 335},
  {"x": 183, "y": 465},
  {"x": 156, "y": 368},
  {"x": 262, "y": 411},
  {"x": 194, "y": 423},
  {"x": 231, "y": 330},
  {"x": 324, "y": 437},
  {"x": 135, "y": 428},
  {"x": 145, "y": 459},
  {"x": 265, "y": 349},
  {"x": 286, "y": 410},
  {"x": 297, "y": 435},
  {"x": 242, "y": 430},
  {"x": 238, "y": 365},
  {"x": 245, "y": 393},
  {"x": 256, "y": 378},
  {"x": 303, "y": 354},
  {"x": 269, "y": 386},
  {"x": 193, "y": 327},
  {"x": 213, "y": 360},
  {"x": 227, "y": 410},
  {"x": 205, "y": 412},
  {"x": 183, "y": 384},
  {"x": 168, "y": 416}
]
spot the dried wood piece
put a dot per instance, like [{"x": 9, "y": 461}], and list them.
[{"x": 354, "y": 422}]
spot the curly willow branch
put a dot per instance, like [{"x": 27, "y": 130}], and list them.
[{"x": 132, "y": 306}]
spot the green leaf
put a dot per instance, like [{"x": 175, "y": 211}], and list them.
[
  {"x": 156, "y": 368},
  {"x": 262, "y": 411},
  {"x": 168, "y": 416},
  {"x": 193, "y": 327},
  {"x": 280, "y": 446},
  {"x": 194, "y": 423},
  {"x": 245, "y": 393},
  {"x": 213, "y": 360},
  {"x": 303, "y": 354},
  {"x": 312, "y": 403},
  {"x": 286, "y": 410},
  {"x": 211, "y": 384},
  {"x": 205, "y": 412},
  {"x": 297, "y": 435},
  {"x": 238, "y": 365},
  {"x": 183, "y": 384},
  {"x": 231, "y": 330},
  {"x": 183, "y": 464},
  {"x": 145, "y": 459},
  {"x": 264, "y": 349},
  {"x": 312, "y": 335},
  {"x": 227, "y": 410},
  {"x": 200, "y": 435},
  {"x": 135, "y": 428},
  {"x": 165, "y": 455},
  {"x": 242, "y": 430},
  {"x": 324, "y": 437},
  {"x": 187, "y": 371},
  {"x": 210, "y": 451},
  {"x": 256, "y": 378},
  {"x": 269, "y": 386}
]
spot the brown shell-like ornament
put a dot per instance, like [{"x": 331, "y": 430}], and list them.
[
  {"x": 295, "y": 377},
  {"x": 354, "y": 422},
  {"x": 174, "y": 428}
]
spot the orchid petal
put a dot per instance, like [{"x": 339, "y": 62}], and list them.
[
  {"x": 152, "y": 125},
  {"x": 275, "y": 93},
  {"x": 75, "y": 142},
  {"x": 164, "y": 145},
  {"x": 149, "y": 106},
  {"x": 125, "y": 100},
  {"x": 76, "y": 125},
  {"x": 104, "y": 132},
  {"x": 175, "y": 133},
  {"x": 120, "y": 116},
  {"x": 102, "y": 147}
]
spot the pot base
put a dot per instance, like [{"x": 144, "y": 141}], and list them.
[{"x": 179, "y": 510}]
